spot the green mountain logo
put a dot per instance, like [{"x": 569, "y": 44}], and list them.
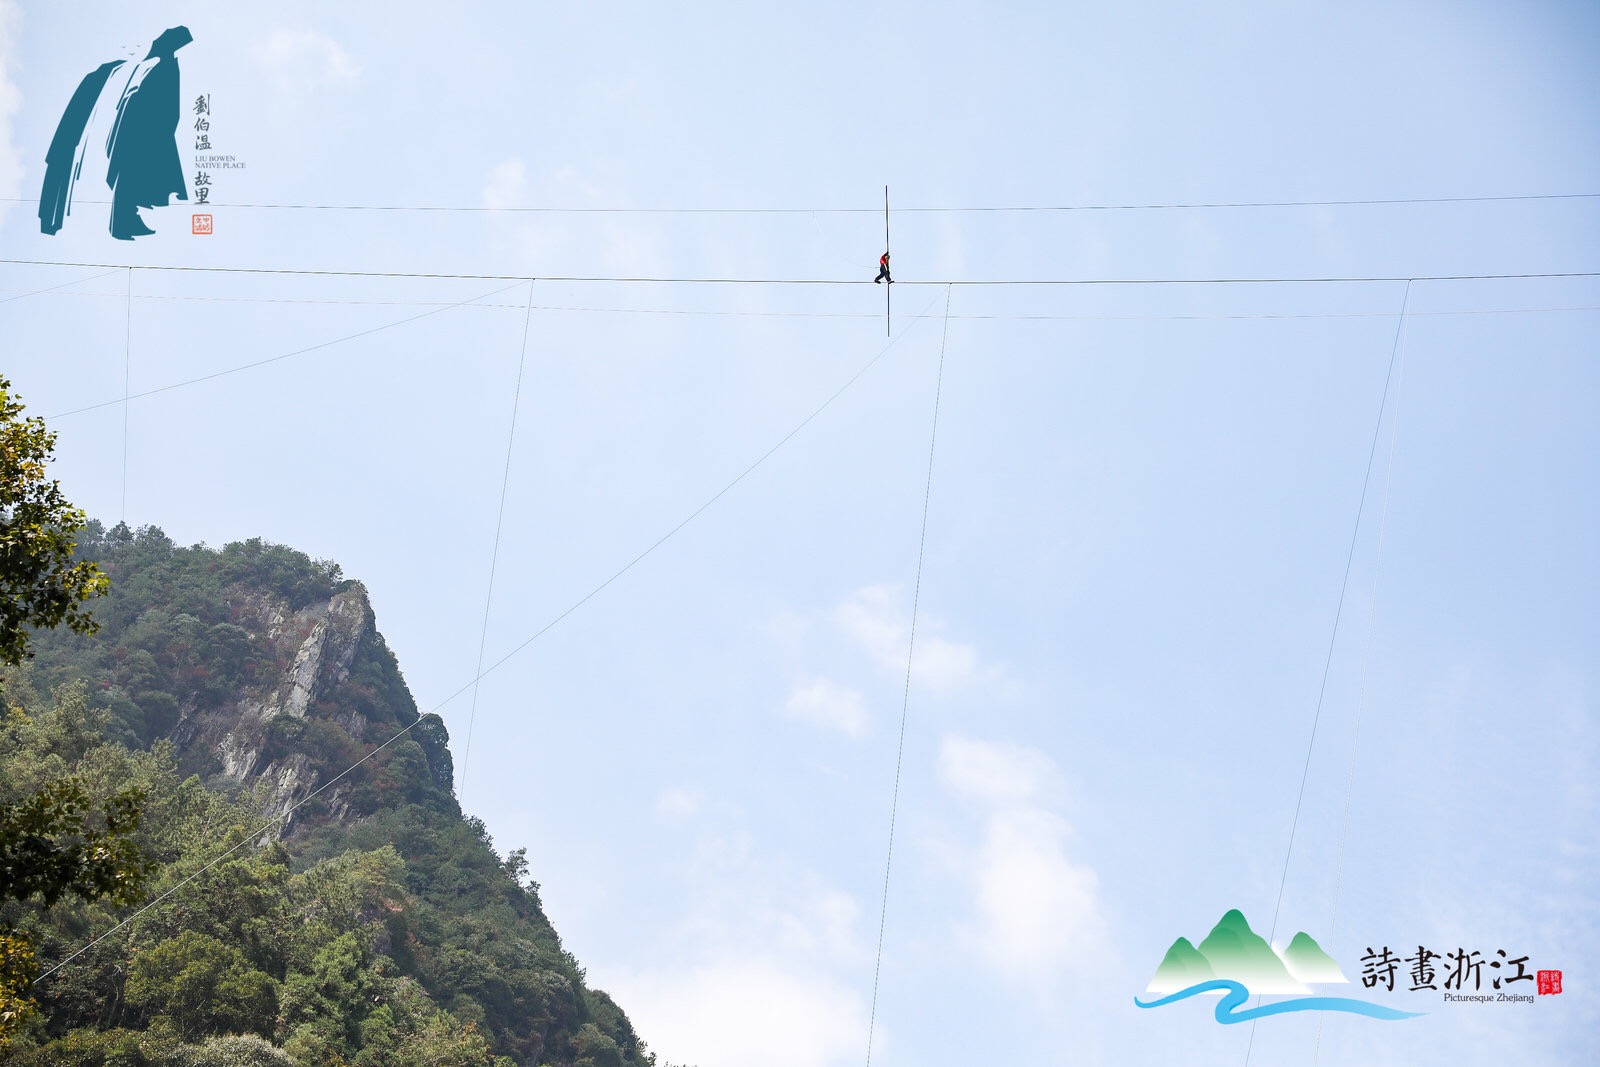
[
  {"x": 1232, "y": 950},
  {"x": 1182, "y": 967},
  {"x": 1308, "y": 963}
]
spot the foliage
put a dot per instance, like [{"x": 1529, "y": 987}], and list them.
[
  {"x": 64, "y": 830},
  {"x": 17, "y": 970},
  {"x": 189, "y": 632},
  {"x": 203, "y": 986},
  {"x": 54, "y": 840},
  {"x": 50, "y": 844},
  {"x": 240, "y": 1050},
  {"x": 40, "y": 583},
  {"x": 391, "y": 934},
  {"x": 596, "y": 1049}
]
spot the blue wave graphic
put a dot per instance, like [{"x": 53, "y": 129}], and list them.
[{"x": 1237, "y": 994}]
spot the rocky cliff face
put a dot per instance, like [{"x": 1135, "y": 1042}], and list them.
[
  {"x": 266, "y": 671},
  {"x": 322, "y": 639},
  {"x": 307, "y": 720},
  {"x": 267, "y": 674}
]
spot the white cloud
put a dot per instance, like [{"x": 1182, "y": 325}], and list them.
[
  {"x": 507, "y": 185},
  {"x": 748, "y": 908},
  {"x": 305, "y": 59},
  {"x": 829, "y": 705},
  {"x": 869, "y": 615},
  {"x": 768, "y": 971},
  {"x": 737, "y": 1013},
  {"x": 874, "y": 619},
  {"x": 995, "y": 771},
  {"x": 1035, "y": 911},
  {"x": 835, "y": 913},
  {"x": 824, "y": 925},
  {"x": 677, "y": 803},
  {"x": 633, "y": 246},
  {"x": 10, "y": 102}
]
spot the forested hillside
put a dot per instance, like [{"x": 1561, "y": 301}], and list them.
[{"x": 372, "y": 924}]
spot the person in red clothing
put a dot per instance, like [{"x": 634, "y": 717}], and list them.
[{"x": 883, "y": 269}]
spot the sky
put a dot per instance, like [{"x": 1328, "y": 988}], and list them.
[{"x": 1196, "y": 565}]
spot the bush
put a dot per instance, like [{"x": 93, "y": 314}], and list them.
[
  {"x": 202, "y": 985},
  {"x": 240, "y": 1050}
]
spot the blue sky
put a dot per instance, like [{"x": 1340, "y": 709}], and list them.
[{"x": 1141, "y": 505}]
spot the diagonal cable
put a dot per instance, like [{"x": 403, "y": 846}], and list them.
[
  {"x": 1344, "y": 587},
  {"x": 1366, "y": 658},
  {"x": 285, "y": 816},
  {"x": 905, "y": 699},
  {"x": 65, "y": 285},
  {"x": 286, "y": 355},
  {"x": 494, "y": 555}
]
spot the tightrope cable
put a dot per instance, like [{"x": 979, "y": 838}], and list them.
[
  {"x": 1362, "y": 279},
  {"x": 954, "y": 210}
]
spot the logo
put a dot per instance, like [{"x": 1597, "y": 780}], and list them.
[
  {"x": 141, "y": 149},
  {"x": 200, "y": 224},
  {"x": 207, "y": 160},
  {"x": 1237, "y": 962}
]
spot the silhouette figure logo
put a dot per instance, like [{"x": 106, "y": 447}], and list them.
[{"x": 142, "y": 165}]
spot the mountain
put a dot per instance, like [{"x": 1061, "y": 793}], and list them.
[
  {"x": 1181, "y": 968},
  {"x": 1308, "y": 963},
  {"x": 1235, "y": 951},
  {"x": 373, "y": 924},
  {"x": 1232, "y": 950}
]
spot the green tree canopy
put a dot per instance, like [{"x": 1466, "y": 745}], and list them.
[
  {"x": 40, "y": 585},
  {"x": 53, "y": 841}
]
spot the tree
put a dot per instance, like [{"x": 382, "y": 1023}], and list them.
[
  {"x": 595, "y": 1049},
  {"x": 51, "y": 842},
  {"x": 204, "y": 986},
  {"x": 40, "y": 584},
  {"x": 241, "y": 1050},
  {"x": 58, "y": 841}
]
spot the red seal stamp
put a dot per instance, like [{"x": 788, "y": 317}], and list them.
[
  {"x": 200, "y": 224},
  {"x": 1549, "y": 982}
]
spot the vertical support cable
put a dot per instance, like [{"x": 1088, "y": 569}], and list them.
[
  {"x": 127, "y": 368},
  {"x": 888, "y": 283},
  {"x": 905, "y": 699}
]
